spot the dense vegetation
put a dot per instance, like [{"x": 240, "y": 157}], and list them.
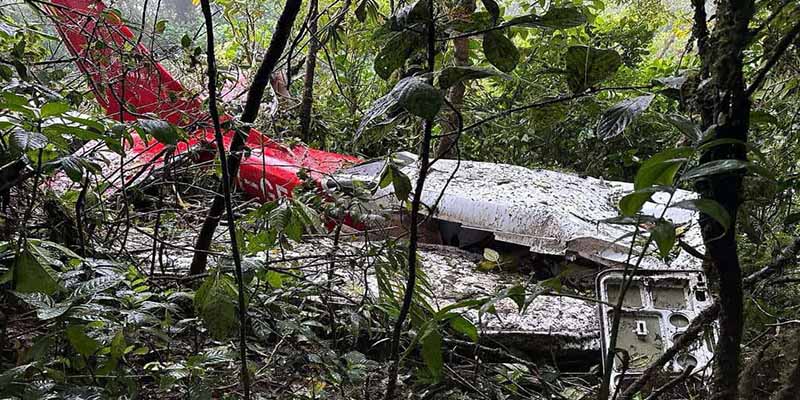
[{"x": 128, "y": 290}]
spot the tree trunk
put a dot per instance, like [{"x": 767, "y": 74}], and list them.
[
  {"x": 254, "y": 96},
  {"x": 446, "y": 147},
  {"x": 724, "y": 103},
  {"x": 311, "y": 65}
]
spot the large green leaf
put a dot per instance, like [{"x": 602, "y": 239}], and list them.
[
  {"x": 500, "y": 51},
  {"x": 215, "y": 303},
  {"x": 587, "y": 66},
  {"x": 53, "y": 108},
  {"x": 660, "y": 169},
  {"x": 614, "y": 121},
  {"x": 686, "y": 126},
  {"x": 555, "y": 18},
  {"x": 417, "y": 97},
  {"x": 465, "y": 327},
  {"x": 44, "y": 305},
  {"x": 32, "y": 275},
  {"x": 161, "y": 130}
]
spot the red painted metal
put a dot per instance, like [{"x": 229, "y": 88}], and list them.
[{"x": 119, "y": 66}]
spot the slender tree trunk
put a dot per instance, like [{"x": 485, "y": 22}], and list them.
[
  {"x": 311, "y": 65},
  {"x": 226, "y": 191},
  {"x": 446, "y": 147},
  {"x": 725, "y": 105},
  {"x": 262, "y": 78}
]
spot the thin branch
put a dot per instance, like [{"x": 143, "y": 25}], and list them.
[
  {"x": 415, "y": 206},
  {"x": 226, "y": 187}
]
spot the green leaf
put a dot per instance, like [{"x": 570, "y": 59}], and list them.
[
  {"x": 161, "y": 26},
  {"x": 25, "y": 141},
  {"x": 32, "y": 276},
  {"x": 708, "y": 207},
  {"x": 555, "y": 18},
  {"x": 401, "y": 183},
  {"x": 216, "y": 302},
  {"x": 632, "y": 203},
  {"x": 97, "y": 285},
  {"x": 500, "y": 51},
  {"x": 418, "y": 97},
  {"x": 717, "y": 167},
  {"x": 492, "y": 8},
  {"x": 686, "y": 126},
  {"x": 52, "y": 109},
  {"x": 432, "y": 353},
  {"x": 275, "y": 279},
  {"x": 453, "y": 75},
  {"x": 83, "y": 344},
  {"x": 664, "y": 235},
  {"x": 118, "y": 345},
  {"x": 587, "y": 66},
  {"x": 614, "y": 121},
  {"x": 394, "y": 54},
  {"x": 660, "y": 169},
  {"x": 465, "y": 327},
  {"x": 161, "y": 130},
  {"x": 186, "y": 41}
]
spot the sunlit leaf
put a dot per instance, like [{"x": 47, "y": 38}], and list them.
[
  {"x": 587, "y": 66},
  {"x": 660, "y": 169},
  {"x": 632, "y": 203},
  {"x": 465, "y": 327},
  {"x": 53, "y": 108}
]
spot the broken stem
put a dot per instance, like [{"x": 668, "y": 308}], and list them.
[{"x": 226, "y": 191}]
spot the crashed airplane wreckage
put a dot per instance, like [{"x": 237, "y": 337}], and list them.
[{"x": 556, "y": 222}]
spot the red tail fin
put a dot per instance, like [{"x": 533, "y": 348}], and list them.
[{"x": 119, "y": 66}]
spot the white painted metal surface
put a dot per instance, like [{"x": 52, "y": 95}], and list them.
[{"x": 549, "y": 212}]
